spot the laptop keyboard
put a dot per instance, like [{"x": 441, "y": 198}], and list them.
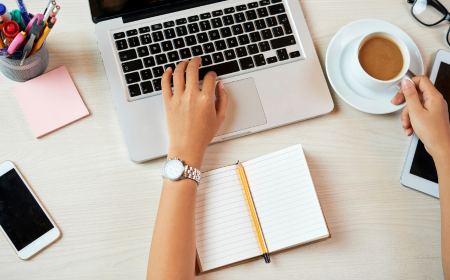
[{"x": 229, "y": 41}]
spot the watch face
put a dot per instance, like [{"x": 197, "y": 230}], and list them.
[{"x": 173, "y": 169}]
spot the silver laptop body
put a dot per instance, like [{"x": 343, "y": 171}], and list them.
[{"x": 260, "y": 98}]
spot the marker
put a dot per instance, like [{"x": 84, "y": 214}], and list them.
[
  {"x": 43, "y": 36},
  {"x": 4, "y": 13},
  {"x": 15, "y": 45},
  {"x": 50, "y": 8},
  {"x": 17, "y": 17},
  {"x": 2, "y": 46},
  {"x": 37, "y": 17},
  {"x": 10, "y": 29},
  {"x": 23, "y": 11},
  {"x": 4, "y": 52}
]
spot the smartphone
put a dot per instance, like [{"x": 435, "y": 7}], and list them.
[{"x": 23, "y": 219}]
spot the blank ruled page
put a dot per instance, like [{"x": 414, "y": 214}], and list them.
[
  {"x": 285, "y": 199},
  {"x": 224, "y": 228}
]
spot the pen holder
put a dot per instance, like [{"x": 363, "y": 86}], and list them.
[{"x": 31, "y": 68}]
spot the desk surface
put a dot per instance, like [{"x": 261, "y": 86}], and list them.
[{"x": 106, "y": 205}]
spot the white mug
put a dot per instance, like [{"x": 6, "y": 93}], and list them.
[{"x": 370, "y": 82}]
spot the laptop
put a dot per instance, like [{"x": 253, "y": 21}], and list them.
[{"x": 261, "y": 50}]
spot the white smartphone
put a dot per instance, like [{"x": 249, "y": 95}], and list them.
[
  {"x": 23, "y": 220},
  {"x": 419, "y": 171}
]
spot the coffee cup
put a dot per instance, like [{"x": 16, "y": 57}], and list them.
[{"x": 369, "y": 81}]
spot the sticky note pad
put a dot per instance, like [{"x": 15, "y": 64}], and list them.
[{"x": 50, "y": 101}]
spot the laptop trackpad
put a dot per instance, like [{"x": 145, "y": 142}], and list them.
[{"x": 244, "y": 107}]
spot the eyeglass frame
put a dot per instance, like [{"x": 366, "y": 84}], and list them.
[{"x": 446, "y": 16}]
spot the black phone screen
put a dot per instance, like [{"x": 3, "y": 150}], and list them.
[
  {"x": 21, "y": 217},
  {"x": 423, "y": 164}
]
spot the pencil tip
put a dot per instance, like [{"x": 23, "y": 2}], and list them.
[{"x": 266, "y": 257}]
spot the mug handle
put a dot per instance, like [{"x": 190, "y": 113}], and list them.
[{"x": 408, "y": 76}]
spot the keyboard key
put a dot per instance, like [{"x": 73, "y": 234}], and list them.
[
  {"x": 272, "y": 59},
  {"x": 237, "y": 29},
  {"x": 193, "y": 18},
  {"x": 232, "y": 42},
  {"x": 145, "y": 29},
  {"x": 161, "y": 59},
  {"x": 276, "y": 1},
  {"x": 202, "y": 37},
  {"x": 220, "y": 69},
  {"x": 218, "y": 57},
  {"x": 276, "y": 9},
  {"x": 168, "y": 24},
  {"x": 241, "y": 8},
  {"x": 205, "y": 25},
  {"x": 190, "y": 40},
  {"x": 179, "y": 43},
  {"x": 146, "y": 74},
  {"x": 249, "y": 27},
  {"x": 216, "y": 22},
  {"x": 181, "y": 21},
  {"x": 156, "y": 27},
  {"x": 206, "y": 60},
  {"x": 229, "y": 10},
  {"x": 149, "y": 62},
  {"x": 264, "y": 46},
  {"x": 133, "y": 65},
  {"x": 229, "y": 54},
  {"x": 145, "y": 39},
  {"x": 181, "y": 30},
  {"x": 260, "y": 24},
  {"x": 171, "y": 65},
  {"x": 266, "y": 34},
  {"x": 282, "y": 18},
  {"x": 282, "y": 42},
  {"x": 127, "y": 55},
  {"x": 264, "y": 2},
  {"x": 271, "y": 21},
  {"x": 197, "y": 50},
  {"x": 225, "y": 32},
  {"x": 246, "y": 63},
  {"x": 185, "y": 53},
  {"x": 262, "y": 12},
  {"x": 259, "y": 60},
  {"x": 119, "y": 35},
  {"x": 143, "y": 51},
  {"x": 281, "y": 52},
  {"x": 155, "y": 48},
  {"x": 157, "y": 36},
  {"x": 167, "y": 46},
  {"x": 277, "y": 31},
  {"x": 220, "y": 45},
  {"x": 205, "y": 16},
  {"x": 285, "y": 22},
  {"x": 158, "y": 71},
  {"x": 157, "y": 84},
  {"x": 134, "y": 90},
  {"x": 214, "y": 35},
  {"x": 173, "y": 56},
  {"x": 283, "y": 57},
  {"x": 133, "y": 42},
  {"x": 252, "y": 5},
  {"x": 241, "y": 52},
  {"x": 132, "y": 32},
  {"x": 251, "y": 15},
  {"x": 239, "y": 17},
  {"x": 252, "y": 49},
  {"x": 169, "y": 33},
  {"x": 193, "y": 28},
  {"x": 294, "y": 54},
  {"x": 255, "y": 37},
  {"x": 243, "y": 39},
  {"x": 209, "y": 48},
  {"x": 217, "y": 13},
  {"x": 146, "y": 87},
  {"x": 228, "y": 20},
  {"x": 132, "y": 78}
]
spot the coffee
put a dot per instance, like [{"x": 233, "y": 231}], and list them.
[{"x": 381, "y": 58}]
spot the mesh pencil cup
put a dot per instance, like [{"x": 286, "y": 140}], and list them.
[{"x": 31, "y": 68}]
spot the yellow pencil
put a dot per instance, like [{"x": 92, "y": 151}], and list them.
[
  {"x": 251, "y": 205},
  {"x": 44, "y": 35}
]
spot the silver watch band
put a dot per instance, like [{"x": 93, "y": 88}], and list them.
[{"x": 192, "y": 173}]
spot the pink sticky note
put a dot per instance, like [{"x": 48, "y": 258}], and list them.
[{"x": 50, "y": 101}]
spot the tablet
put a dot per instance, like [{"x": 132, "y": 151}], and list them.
[{"x": 419, "y": 171}]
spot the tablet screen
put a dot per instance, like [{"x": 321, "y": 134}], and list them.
[{"x": 423, "y": 164}]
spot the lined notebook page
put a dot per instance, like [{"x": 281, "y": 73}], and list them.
[
  {"x": 285, "y": 199},
  {"x": 223, "y": 225}
]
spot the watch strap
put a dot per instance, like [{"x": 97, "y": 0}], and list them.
[{"x": 192, "y": 173}]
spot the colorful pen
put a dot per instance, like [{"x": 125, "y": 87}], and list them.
[
  {"x": 2, "y": 46},
  {"x": 43, "y": 36},
  {"x": 4, "y": 52},
  {"x": 10, "y": 29},
  {"x": 50, "y": 8},
  {"x": 23, "y": 11},
  {"x": 15, "y": 45},
  {"x": 16, "y": 16},
  {"x": 5, "y": 13}
]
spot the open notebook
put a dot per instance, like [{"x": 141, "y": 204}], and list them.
[{"x": 285, "y": 200}]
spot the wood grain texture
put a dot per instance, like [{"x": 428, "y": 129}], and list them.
[{"x": 106, "y": 205}]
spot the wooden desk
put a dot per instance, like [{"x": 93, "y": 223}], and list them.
[{"x": 106, "y": 205}]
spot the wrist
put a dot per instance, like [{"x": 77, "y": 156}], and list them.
[{"x": 191, "y": 158}]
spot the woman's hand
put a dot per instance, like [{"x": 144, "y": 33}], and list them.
[
  {"x": 193, "y": 116},
  {"x": 426, "y": 114}
]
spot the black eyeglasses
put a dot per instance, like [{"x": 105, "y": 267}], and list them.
[{"x": 430, "y": 13}]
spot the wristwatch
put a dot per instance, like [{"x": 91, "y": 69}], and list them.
[{"x": 175, "y": 169}]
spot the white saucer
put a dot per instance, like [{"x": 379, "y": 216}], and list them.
[{"x": 338, "y": 67}]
